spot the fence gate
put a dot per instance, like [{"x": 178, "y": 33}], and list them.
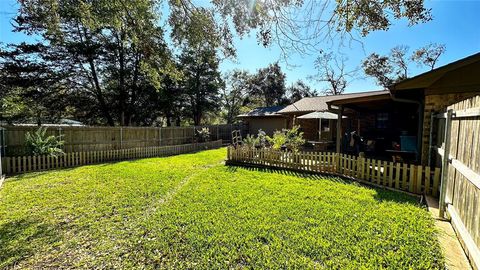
[{"x": 459, "y": 154}]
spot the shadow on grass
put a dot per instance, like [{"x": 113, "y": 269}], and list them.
[
  {"x": 381, "y": 194},
  {"x": 20, "y": 239}
]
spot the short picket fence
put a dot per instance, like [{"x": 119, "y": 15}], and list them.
[
  {"x": 411, "y": 178},
  {"x": 23, "y": 164}
]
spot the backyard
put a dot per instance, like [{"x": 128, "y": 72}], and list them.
[{"x": 191, "y": 211}]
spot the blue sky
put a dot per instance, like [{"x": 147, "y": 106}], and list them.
[{"x": 455, "y": 24}]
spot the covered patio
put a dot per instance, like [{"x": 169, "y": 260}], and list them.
[{"x": 379, "y": 127}]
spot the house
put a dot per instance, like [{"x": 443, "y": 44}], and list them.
[
  {"x": 265, "y": 118},
  {"x": 403, "y": 116},
  {"x": 323, "y": 128}
]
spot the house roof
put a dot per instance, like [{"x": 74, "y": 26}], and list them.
[
  {"x": 312, "y": 104},
  {"x": 427, "y": 79},
  {"x": 263, "y": 112},
  {"x": 378, "y": 95}
]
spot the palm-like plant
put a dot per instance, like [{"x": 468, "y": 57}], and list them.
[{"x": 39, "y": 143}]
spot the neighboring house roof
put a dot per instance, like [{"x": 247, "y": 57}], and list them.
[
  {"x": 429, "y": 78},
  {"x": 313, "y": 104},
  {"x": 263, "y": 112}
]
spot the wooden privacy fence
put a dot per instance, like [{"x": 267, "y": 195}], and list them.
[
  {"x": 460, "y": 156},
  {"x": 407, "y": 177},
  {"x": 91, "y": 138},
  {"x": 14, "y": 165}
]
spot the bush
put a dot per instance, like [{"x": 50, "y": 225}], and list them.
[
  {"x": 292, "y": 139},
  {"x": 250, "y": 141},
  {"x": 278, "y": 140},
  {"x": 262, "y": 139},
  {"x": 39, "y": 143},
  {"x": 203, "y": 135}
]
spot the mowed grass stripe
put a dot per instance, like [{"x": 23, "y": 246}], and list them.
[{"x": 191, "y": 212}]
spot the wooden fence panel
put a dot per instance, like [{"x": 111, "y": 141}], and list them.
[
  {"x": 407, "y": 177},
  {"x": 462, "y": 180},
  {"x": 93, "y": 138},
  {"x": 15, "y": 165}
]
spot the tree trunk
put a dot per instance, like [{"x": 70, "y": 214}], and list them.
[{"x": 99, "y": 94}]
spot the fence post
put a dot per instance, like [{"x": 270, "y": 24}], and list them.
[
  {"x": 160, "y": 136},
  {"x": 121, "y": 138},
  {"x": 1, "y": 165},
  {"x": 339, "y": 129},
  {"x": 2, "y": 153},
  {"x": 445, "y": 161},
  {"x": 430, "y": 142}
]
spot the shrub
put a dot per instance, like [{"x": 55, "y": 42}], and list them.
[
  {"x": 203, "y": 134},
  {"x": 250, "y": 141},
  {"x": 262, "y": 139},
  {"x": 278, "y": 140},
  {"x": 39, "y": 143},
  {"x": 294, "y": 139}
]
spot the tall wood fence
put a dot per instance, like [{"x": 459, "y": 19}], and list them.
[
  {"x": 460, "y": 157},
  {"x": 400, "y": 176},
  {"x": 92, "y": 138},
  {"x": 22, "y": 164}
]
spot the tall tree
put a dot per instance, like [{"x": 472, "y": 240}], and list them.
[
  {"x": 30, "y": 89},
  {"x": 429, "y": 54},
  {"x": 394, "y": 67},
  {"x": 277, "y": 22},
  {"x": 234, "y": 94},
  {"x": 103, "y": 48},
  {"x": 299, "y": 90},
  {"x": 268, "y": 85},
  {"x": 201, "y": 81},
  {"x": 331, "y": 71}
]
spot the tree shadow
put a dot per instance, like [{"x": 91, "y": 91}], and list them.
[
  {"x": 20, "y": 239},
  {"x": 382, "y": 194}
]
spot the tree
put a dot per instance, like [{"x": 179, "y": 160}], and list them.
[
  {"x": 109, "y": 60},
  {"x": 233, "y": 95},
  {"x": 105, "y": 49},
  {"x": 171, "y": 100},
  {"x": 394, "y": 67},
  {"x": 429, "y": 54},
  {"x": 299, "y": 90},
  {"x": 277, "y": 21},
  {"x": 201, "y": 81},
  {"x": 30, "y": 89},
  {"x": 331, "y": 71},
  {"x": 268, "y": 85}
]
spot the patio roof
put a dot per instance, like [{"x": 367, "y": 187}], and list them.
[
  {"x": 319, "y": 104},
  {"x": 377, "y": 95},
  {"x": 465, "y": 70}
]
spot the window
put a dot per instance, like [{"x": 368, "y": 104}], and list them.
[
  {"x": 325, "y": 125},
  {"x": 382, "y": 120}
]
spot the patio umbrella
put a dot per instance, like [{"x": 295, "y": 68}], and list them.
[{"x": 320, "y": 116}]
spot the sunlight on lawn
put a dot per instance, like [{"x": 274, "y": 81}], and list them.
[{"x": 191, "y": 211}]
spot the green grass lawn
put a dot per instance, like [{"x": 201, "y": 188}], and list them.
[{"x": 191, "y": 211}]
